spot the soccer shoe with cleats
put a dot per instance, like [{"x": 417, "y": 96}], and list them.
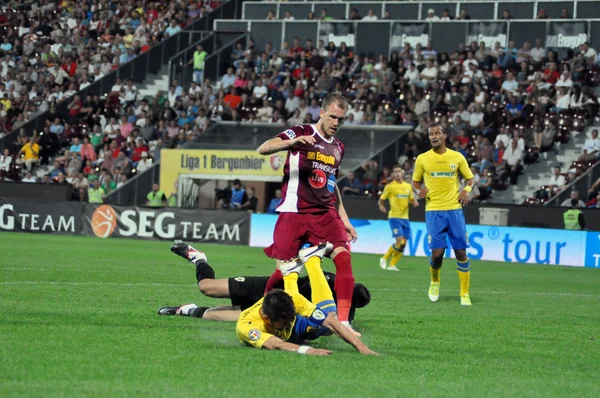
[
  {"x": 392, "y": 268},
  {"x": 349, "y": 326},
  {"x": 383, "y": 263},
  {"x": 320, "y": 251},
  {"x": 181, "y": 310},
  {"x": 188, "y": 252},
  {"x": 434, "y": 291},
  {"x": 288, "y": 267},
  {"x": 465, "y": 300},
  {"x": 168, "y": 311}
]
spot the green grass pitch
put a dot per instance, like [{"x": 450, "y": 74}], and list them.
[{"x": 78, "y": 318}]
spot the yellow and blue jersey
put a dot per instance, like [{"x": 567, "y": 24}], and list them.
[
  {"x": 399, "y": 195},
  {"x": 440, "y": 174},
  {"x": 253, "y": 330}
]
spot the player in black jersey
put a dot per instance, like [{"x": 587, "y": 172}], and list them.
[{"x": 243, "y": 291}]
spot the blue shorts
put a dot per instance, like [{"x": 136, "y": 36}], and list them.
[
  {"x": 400, "y": 227},
  {"x": 444, "y": 224}
]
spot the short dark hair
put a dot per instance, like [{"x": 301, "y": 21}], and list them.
[
  {"x": 237, "y": 182},
  {"x": 278, "y": 306},
  {"x": 396, "y": 166},
  {"x": 440, "y": 125},
  {"x": 332, "y": 98},
  {"x": 361, "y": 296}
]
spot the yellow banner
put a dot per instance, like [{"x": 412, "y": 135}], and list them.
[{"x": 215, "y": 163}]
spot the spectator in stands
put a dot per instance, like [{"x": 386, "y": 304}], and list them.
[
  {"x": 557, "y": 181},
  {"x": 237, "y": 194},
  {"x": 108, "y": 184},
  {"x": 591, "y": 148},
  {"x": 288, "y": 16},
  {"x": 350, "y": 185},
  {"x": 574, "y": 196},
  {"x": 156, "y": 198},
  {"x": 513, "y": 156},
  {"x": 431, "y": 17},
  {"x": 370, "y": 16},
  {"x": 96, "y": 194},
  {"x": 122, "y": 163},
  {"x": 145, "y": 163},
  {"x": 275, "y": 202},
  {"x": 5, "y": 163},
  {"x": 30, "y": 152},
  {"x": 251, "y": 202}
]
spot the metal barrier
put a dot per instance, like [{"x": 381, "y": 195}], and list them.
[
  {"x": 138, "y": 69},
  {"x": 134, "y": 191},
  {"x": 387, "y": 36},
  {"x": 419, "y": 10},
  {"x": 218, "y": 43},
  {"x": 582, "y": 184}
]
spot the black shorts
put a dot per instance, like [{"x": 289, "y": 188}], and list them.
[{"x": 245, "y": 291}]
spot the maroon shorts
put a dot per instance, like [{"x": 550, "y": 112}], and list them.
[{"x": 293, "y": 230}]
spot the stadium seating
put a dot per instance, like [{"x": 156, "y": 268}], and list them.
[{"x": 49, "y": 53}]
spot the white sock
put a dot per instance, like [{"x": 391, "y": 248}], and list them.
[{"x": 185, "y": 309}]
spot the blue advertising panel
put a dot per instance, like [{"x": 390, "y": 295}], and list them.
[{"x": 506, "y": 244}]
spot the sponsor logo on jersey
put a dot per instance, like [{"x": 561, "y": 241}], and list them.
[
  {"x": 276, "y": 162},
  {"x": 317, "y": 179},
  {"x": 319, "y": 157},
  {"x": 319, "y": 146},
  {"x": 452, "y": 166},
  {"x": 318, "y": 315},
  {"x": 254, "y": 334},
  {"x": 325, "y": 168},
  {"x": 331, "y": 183},
  {"x": 290, "y": 133},
  {"x": 401, "y": 195},
  {"x": 337, "y": 155},
  {"x": 442, "y": 174}
]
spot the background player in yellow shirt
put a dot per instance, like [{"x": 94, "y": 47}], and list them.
[
  {"x": 439, "y": 169},
  {"x": 399, "y": 194},
  {"x": 282, "y": 318}
]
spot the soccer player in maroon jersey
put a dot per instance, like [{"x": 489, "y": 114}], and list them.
[{"x": 307, "y": 212}]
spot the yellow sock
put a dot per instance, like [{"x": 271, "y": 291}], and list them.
[
  {"x": 435, "y": 274},
  {"x": 395, "y": 258},
  {"x": 390, "y": 251},
  {"x": 464, "y": 276},
  {"x": 465, "y": 280},
  {"x": 320, "y": 288},
  {"x": 290, "y": 283}
]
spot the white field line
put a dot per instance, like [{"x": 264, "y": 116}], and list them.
[{"x": 411, "y": 290}]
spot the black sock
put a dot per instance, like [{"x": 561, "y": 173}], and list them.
[
  {"x": 198, "y": 312},
  {"x": 204, "y": 271}
]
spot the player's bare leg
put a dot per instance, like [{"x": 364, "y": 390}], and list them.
[
  {"x": 216, "y": 288},
  {"x": 463, "y": 268},
  {"x": 225, "y": 313},
  {"x": 435, "y": 266}
]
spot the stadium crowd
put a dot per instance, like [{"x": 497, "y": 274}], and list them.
[
  {"x": 503, "y": 107},
  {"x": 51, "y": 50}
]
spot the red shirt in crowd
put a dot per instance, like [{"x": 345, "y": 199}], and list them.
[
  {"x": 136, "y": 156},
  {"x": 551, "y": 77}
]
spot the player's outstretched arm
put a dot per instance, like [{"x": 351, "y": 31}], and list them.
[
  {"x": 277, "y": 144},
  {"x": 275, "y": 343},
  {"x": 332, "y": 323}
]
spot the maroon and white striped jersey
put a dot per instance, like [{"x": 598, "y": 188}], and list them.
[{"x": 310, "y": 172}]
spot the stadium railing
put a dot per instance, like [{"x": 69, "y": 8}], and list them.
[
  {"x": 392, "y": 35},
  {"x": 419, "y": 10},
  {"x": 135, "y": 190},
  {"x": 216, "y": 63},
  {"x": 149, "y": 62},
  {"x": 361, "y": 142},
  {"x": 582, "y": 184}
]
